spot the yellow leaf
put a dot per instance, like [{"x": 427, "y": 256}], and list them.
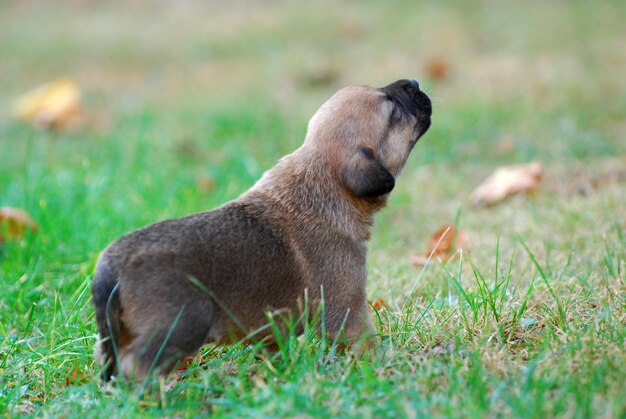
[
  {"x": 14, "y": 222},
  {"x": 507, "y": 181},
  {"x": 52, "y": 105}
]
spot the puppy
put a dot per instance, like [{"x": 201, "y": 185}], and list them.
[{"x": 165, "y": 290}]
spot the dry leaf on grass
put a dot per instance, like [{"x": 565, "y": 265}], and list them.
[
  {"x": 184, "y": 365},
  {"x": 76, "y": 377},
  {"x": 14, "y": 222},
  {"x": 437, "y": 68},
  {"x": 379, "y": 303},
  {"x": 507, "y": 181},
  {"x": 205, "y": 184},
  {"x": 54, "y": 105},
  {"x": 443, "y": 243}
]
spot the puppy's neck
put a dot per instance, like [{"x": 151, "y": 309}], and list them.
[{"x": 306, "y": 186}]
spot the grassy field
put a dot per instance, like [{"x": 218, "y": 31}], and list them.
[{"x": 187, "y": 104}]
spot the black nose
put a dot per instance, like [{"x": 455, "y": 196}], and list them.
[{"x": 408, "y": 94}]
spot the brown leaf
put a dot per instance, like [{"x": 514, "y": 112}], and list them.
[
  {"x": 507, "y": 181},
  {"x": 205, "y": 184},
  {"x": 76, "y": 377},
  {"x": 437, "y": 68},
  {"x": 14, "y": 222},
  {"x": 379, "y": 303},
  {"x": 53, "y": 105},
  {"x": 442, "y": 241},
  {"x": 184, "y": 365},
  {"x": 443, "y": 244}
]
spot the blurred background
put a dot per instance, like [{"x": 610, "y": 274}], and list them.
[
  {"x": 531, "y": 57},
  {"x": 533, "y": 62}
]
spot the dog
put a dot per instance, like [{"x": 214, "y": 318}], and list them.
[{"x": 163, "y": 291}]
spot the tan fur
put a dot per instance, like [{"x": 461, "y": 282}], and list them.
[{"x": 302, "y": 228}]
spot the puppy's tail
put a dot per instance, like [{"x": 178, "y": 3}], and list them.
[{"x": 104, "y": 293}]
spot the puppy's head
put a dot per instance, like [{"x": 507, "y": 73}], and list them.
[{"x": 367, "y": 134}]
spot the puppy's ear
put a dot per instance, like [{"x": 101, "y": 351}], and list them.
[{"x": 365, "y": 176}]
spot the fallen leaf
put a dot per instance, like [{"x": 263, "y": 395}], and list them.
[
  {"x": 53, "y": 105},
  {"x": 205, "y": 184},
  {"x": 507, "y": 181},
  {"x": 443, "y": 243},
  {"x": 379, "y": 303},
  {"x": 76, "y": 377},
  {"x": 437, "y": 68},
  {"x": 14, "y": 222},
  {"x": 184, "y": 365}
]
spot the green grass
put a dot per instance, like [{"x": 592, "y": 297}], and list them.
[{"x": 529, "y": 321}]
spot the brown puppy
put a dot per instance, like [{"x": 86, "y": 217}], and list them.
[{"x": 163, "y": 291}]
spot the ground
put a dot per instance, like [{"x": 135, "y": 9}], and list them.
[{"x": 188, "y": 103}]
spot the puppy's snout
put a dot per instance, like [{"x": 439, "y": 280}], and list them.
[
  {"x": 408, "y": 92},
  {"x": 423, "y": 102},
  {"x": 420, "y": 98}
]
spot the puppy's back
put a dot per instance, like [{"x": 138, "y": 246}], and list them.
[{"x": 218, "y": 262}]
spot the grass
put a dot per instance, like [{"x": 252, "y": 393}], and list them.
[{"x": 529, "y": 321}]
